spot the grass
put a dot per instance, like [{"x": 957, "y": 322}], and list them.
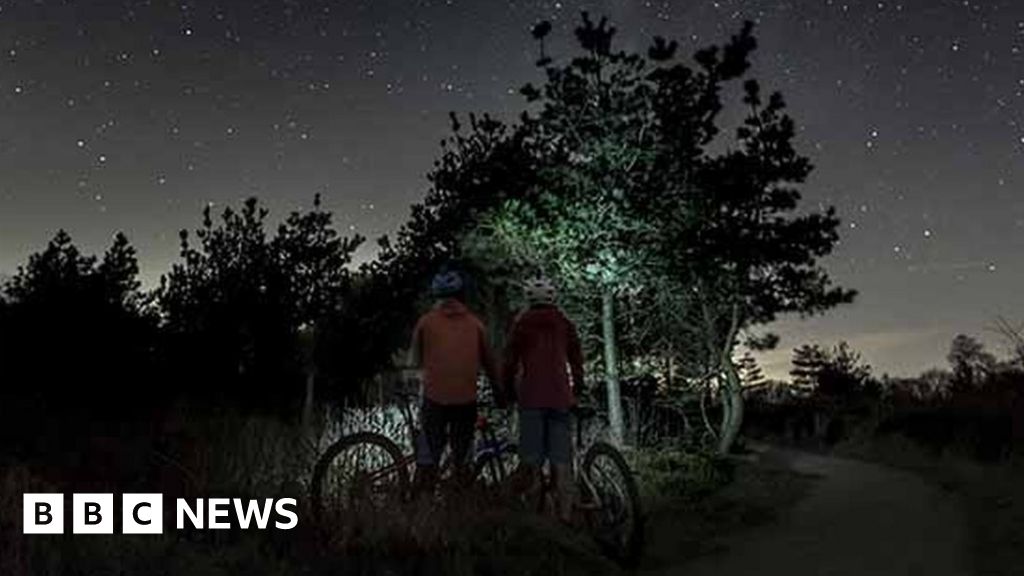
[
  {"x": 695, "y": 505},
  {"x": 247, "y": 457}
]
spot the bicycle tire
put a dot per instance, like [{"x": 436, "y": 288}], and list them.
[
  {"x": 627, "y": 544},
  {"x": 352, "y": 441}
]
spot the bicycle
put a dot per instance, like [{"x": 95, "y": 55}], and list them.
[
  {"x": 373, "y": 468},
  {"x": 607, "y": 493},
  {"x": 608, "y": 497},
  {"x": 368, "y": 468}
]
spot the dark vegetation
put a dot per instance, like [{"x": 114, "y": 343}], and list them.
[{"x": 974, "y": 410}]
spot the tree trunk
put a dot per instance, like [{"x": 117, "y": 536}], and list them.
[
  {"x": 732, "y": 408},
  {"x": 731, "y": 387},
  {"x": 307, "y": 342},
  {"x": 611, "y": 365},
  {"x": 307, "y": 403}
]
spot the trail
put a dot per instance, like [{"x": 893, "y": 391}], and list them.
[{"x": 859, "y": 519}]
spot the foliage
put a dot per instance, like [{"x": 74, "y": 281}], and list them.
[
  {"x": 933, "y": 412},
  {"x": 480, "y": 165},
  {"x": 635, "y": 205},
  {"x": 75, "y": 332},
  {"x": 969, "y": 360},
  {"x": 808, "y": 361},
  {"x": 669, "y": 472},
  {"x": 233, "y": 307},
  {"x": 838, "y": 373},
  {"x": 253, "y": 457},
  {"x": 750, "y": 372}
]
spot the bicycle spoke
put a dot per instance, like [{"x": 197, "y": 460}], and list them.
[{"x": 361, "y": 470}]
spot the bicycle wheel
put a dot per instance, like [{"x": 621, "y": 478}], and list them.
[
  {"x": 612, "y": 500},
  {"x": 360, "y": 469}
]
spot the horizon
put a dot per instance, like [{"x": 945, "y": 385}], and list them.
[{"x": 911, "y": 352}]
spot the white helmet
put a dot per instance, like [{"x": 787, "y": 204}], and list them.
[{"x": 539, "y": 290}]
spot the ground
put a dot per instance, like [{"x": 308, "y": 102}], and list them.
[{"x": 851, "y": 517}]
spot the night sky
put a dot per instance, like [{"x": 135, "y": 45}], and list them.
[{"x": 134, "y": 115}]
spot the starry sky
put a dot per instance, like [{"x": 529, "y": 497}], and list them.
[{"x": 133, "y": 115}]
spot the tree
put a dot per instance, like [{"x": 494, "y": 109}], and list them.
[
  {"x": 76, "y": 333},
  {"x": 735, "y": 241},
  {"x": 750, "y": 372},
  {"x": 808, "y": 362},
  {"x": 236, "y": 302},
  {"x": 1012, "y": 335},
  {"x": 633, "y": 205},
  {"x": 969, "y": 361},
  {"x": 845, "y": 374},
  {"x": 482, "y": 163},
  {"x": 589, "y": 220},
  {"x": 839, "y": 373},
  {"x": 933, "y": 383}
]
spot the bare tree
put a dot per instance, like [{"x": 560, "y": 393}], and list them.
[{"x": 1012, "y": 335}]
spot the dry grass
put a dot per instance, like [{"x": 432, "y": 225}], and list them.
[
  {"x": 467, "y": 533},
  {"x": 226, "y": 454}
]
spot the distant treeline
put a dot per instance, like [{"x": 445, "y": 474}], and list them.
[{"x": 973, "y": 408}]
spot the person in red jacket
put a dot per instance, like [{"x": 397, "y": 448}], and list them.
[
  {"x": 449, "y": 345},
  {"x": 544, "y": 366}
]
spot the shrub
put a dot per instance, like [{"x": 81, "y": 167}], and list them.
[{"x": 669, "y": 472}]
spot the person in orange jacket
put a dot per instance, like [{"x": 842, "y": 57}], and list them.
[{"x": 449, "y": 345}]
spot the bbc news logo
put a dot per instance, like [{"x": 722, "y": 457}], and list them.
[{"x": 143, "y": 513}]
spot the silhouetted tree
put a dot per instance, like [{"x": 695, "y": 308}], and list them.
[
  {"x": 933, "y": 383},
  {"x": 808, "y": 361},
  {"x": 481, "y": 164},
  {"x": 77, "y": 337},
  {"x": 839, "y": 373},
  {"x": 233, "y": 307},
  {"x": 744, "y": 247},
  {"x": 1013, "y": 336},
  {"x": 969, "y": 360},
  {"x": 750, "y": 371},
  {"x": 845, "y": 375}
]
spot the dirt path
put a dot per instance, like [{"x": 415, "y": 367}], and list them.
[{"x": 859, "y": 519}]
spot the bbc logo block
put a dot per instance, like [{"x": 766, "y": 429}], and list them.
[
  {"x": 93, "y": 513},
  {"x": 43, "y": 513},
  {"x": 144, "y": 513}
]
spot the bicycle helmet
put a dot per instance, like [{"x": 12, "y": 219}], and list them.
[
  {"x": 447, "y": 283},
  {"x": 539, "y": 290}
]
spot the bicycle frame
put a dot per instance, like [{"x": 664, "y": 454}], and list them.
[{"x": 489, "y": 444}]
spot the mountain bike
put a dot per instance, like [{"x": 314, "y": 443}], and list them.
[
  {"x": 368, "y": 468},
  {"x": 607, "y": 496}
]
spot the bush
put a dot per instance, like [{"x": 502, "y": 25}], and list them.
[{"x": 671, "y": 472}]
